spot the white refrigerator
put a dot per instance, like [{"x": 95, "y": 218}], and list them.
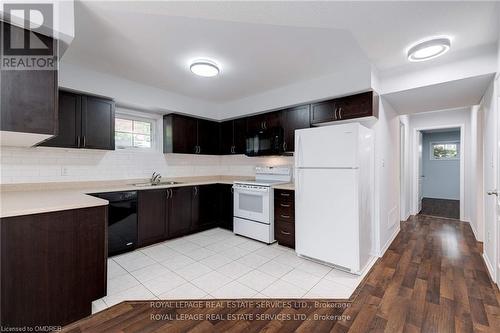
[{"x": 334, "y": 195}]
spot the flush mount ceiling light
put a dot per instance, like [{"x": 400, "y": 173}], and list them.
[
  {"x": 205, "y": 68},
  {"x": 429, "y": 49}
]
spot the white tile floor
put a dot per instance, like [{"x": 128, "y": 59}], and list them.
[{"x": 218, "y": 264}]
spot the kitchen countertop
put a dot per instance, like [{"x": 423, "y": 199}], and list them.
[
  {"x": 287, "y": 186},
  {"x": 26, "y": 199}
]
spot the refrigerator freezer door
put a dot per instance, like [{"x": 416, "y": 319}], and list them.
[
  {"x": 327, "y": 147},
  {"x": 326, "y": 216}
]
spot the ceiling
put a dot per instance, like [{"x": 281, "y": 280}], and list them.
[
  {"x": 448, "y": 95},
  {"x": 266, "y": 45}
]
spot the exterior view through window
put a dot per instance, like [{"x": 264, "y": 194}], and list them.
[
  {"x": 132, "y": 133},
  {"x": 445, "y": 151}
]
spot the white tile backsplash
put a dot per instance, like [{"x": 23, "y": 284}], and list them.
[{"x": 44, "y": 164}]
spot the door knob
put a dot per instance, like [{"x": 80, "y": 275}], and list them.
[{"x": 494, "y": 192}]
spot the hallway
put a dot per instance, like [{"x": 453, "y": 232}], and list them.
[
  {"x": 431, "y": 279},
  {"x": 441, "y": 208}
]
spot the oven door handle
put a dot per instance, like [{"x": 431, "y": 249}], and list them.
[{"x": 250, "y": 191}]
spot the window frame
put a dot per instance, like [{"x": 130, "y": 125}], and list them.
[
  {"x": 139, "y": 116},
  {"x": 431, "y": 150}
]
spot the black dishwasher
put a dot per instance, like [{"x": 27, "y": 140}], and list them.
[{"x": 122, "y": 221}]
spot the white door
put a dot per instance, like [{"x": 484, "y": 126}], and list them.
[
  {"x": 420, "y": 172},
  {"x": 490, "y": 185},
  {"x": 327, "y": 146},
  {"x": 326, "y": 216}
]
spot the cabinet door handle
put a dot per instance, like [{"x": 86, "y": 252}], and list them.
[
  {"x": 195, "y": 191},
  {"x": 199, "y": 149},
  {"x": 84, "y": 143},
  {"x": 78, "y": 141},
  {"x": 285, "y": 233},
  {"x": 340, "y": 113},
  {"x": 284, "y": 205},
  {"x": 171, "y": 193},
  {"x": 283, "y": 194},
  {"x": 285, "y": 216},
  {"x": 284, "y": 146},
  {"x": 232, "y": 190}
]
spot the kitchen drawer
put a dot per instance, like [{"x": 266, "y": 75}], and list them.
[
  {"x": 285, "y": 234},
  {"x": 284, "y": 212},
  {"x": 284, "y": 195}
]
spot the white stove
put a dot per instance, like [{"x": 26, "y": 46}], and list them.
[{"x": 254, "y": 203}]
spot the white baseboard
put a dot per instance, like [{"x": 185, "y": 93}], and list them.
[
  {"x": 474, "y": 231},
  {"x": 489, "y": 267},
  {"x": 389, "y": 241}
]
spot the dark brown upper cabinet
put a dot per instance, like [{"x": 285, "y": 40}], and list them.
[
  {"x": 263, "y": 121},
  {"x": 344, "y": 108},
  {"x": 189, "y": 135},
  {"x": 233, "y": 135},
  {"x": 28, "y": 98},
  {"x": 291, "y": 120},
  {"x": 98, "y": 123},
  {"x": 84, "y": 122},
  {"x": 208, "y": 137},
  {"x": 357, "y": 106},
  {"x": 179, "y": 134}
]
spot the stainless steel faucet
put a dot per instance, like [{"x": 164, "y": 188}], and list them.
[{"x": 155, "y": 178}]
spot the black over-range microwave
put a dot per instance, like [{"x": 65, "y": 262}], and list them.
[{"x": 265, "y": 142}]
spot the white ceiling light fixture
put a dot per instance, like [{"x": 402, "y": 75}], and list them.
[
  {"x": 429, "y": 49},
  {"x": 205, "y": 68}
]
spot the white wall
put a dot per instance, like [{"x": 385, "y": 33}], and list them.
[
  {"x": 132, "y": 94},
  {"x": 387, "y": 215},
  {"x": 447, "y": 118}
]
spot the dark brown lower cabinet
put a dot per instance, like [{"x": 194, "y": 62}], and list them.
[
  {"x": 152, "y": 212},
  {"x": 179, "y": 211},
  {"x": 226, "y": 203},
  {"x": 205, "y": 207},
  {"x": 284, "y": 217},
  {"x": 53, "y": 265}
]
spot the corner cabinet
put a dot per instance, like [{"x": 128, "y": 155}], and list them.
[
  {"x": 189, "y": 135},
  {"x": 233, "y": 136},
  {"x": 84, "y": 122},
  {"x": 53, "y": 265}
]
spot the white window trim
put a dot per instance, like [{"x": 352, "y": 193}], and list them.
[
  {"x": 156, "y": 129},
  {"x": 431, "y": 150}
]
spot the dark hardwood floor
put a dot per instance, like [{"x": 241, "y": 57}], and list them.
[
  {"x": 441, "y": 207},
  {"x": 431, "y": 279}
]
